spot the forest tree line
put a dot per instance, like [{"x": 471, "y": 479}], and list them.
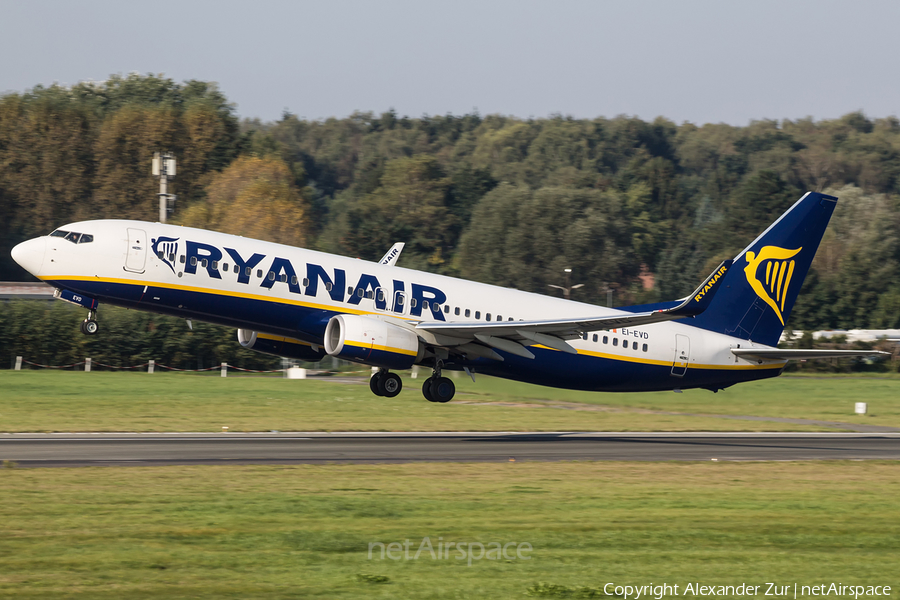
[{"x": 503, "y": 200}]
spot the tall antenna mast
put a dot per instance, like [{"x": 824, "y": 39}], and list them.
[{"x": 164, "y": 168}]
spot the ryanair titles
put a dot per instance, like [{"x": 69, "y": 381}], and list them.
[
  {"x": 419, "y": 298},
  {"x": 711, "y": 283}
]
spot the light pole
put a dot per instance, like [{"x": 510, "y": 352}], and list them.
[
  {"x": 164, "y": 168},
  {"x": 566, "y": 289}
]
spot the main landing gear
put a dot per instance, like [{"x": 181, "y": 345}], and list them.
[
  {"x": 437, "y": 388},
  {"x": 385, "y": 384},
  {"x": 90, "y": 326}
]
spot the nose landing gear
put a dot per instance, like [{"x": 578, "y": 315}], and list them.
[{"x": 90, "y": 326}]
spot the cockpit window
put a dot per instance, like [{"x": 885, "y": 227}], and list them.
[{"x": 74, "y": 237}]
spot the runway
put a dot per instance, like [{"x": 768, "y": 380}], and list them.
[{"x": 148, "y": 449}]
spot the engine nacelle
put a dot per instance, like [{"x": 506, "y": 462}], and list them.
[
  {"x": 372, "y": 342},
  {"x": 279, "y": 346}
]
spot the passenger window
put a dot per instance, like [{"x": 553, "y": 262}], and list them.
[
  {"x": 237, "y": 269},
  {"x": 328, "y": 286},
  {"x": 294, "y": 280},
  {"x": 370, "y": 294},
  {"x": 86, "y": 239},
  {"x": 468, "y": 312},
  {"x": 203, "y": 263},
  {"x": 360, "y": 292},
  {"x": 160, "y": 254},
  {"x": 215, "y": 265},
  {"x": 172, "y": 257},
  {"x": 456, "y": 311},
  {"x": 499, "y": 318},
  {"x": 306, "y": 282},
  {"x": 436, "y": 307},
  {"x": 615, "y": 341},
  {"x": 584, "y": 336},
  {"x": 181, "y": 260},
  {"x": 412, "y": 302},
  {"x": 595, "y": 338},
  {"x": 447, "y": 309},
  {"x": 225, "y": 267},
  {"x": 400, "y": 299},
  {"x": 259, "y": 272},
  {"x": 350, "y": 291},
  {"x": 644, "y": 348},
  {"x": 247, "y": 271},
  {"x": 424, "y": 304},
  {"x": 487, "y": 317},
  {"x": 477, "y": 314},
  {"x": 271, "y": 275},
  {"x": 634, "y": 345},
  {"x": 284, "y": 278},
  {"x": 605, "y": 339},
  {"x": 193, "y": 261},
  {"x": 510, "y": 319},
  {"x": 380, "y": 295}
]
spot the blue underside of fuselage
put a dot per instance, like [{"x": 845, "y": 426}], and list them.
[{"x": 549, "y": 367}]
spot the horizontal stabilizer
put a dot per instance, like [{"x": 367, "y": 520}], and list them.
[{"x": 802, "y": 354}]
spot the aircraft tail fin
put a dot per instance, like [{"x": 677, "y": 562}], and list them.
[{"x": 758, "y": 292}]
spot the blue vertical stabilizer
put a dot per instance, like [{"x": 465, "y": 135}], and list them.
[{"x": 758, "y": 293}]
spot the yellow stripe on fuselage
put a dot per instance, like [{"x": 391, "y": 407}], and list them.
[
  {"x": 202, "y": 290},
  {"x": 668, "y": 363},
  {"x": 232, "y": 294}
]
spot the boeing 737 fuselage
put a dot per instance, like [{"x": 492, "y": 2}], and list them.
[{"x": 304, "y": 304}]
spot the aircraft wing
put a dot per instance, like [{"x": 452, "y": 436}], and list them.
[
  {"x": 802, "y": 353},
  {"x": 390, "y": 258},
  {"x": 512, "y": 336}
]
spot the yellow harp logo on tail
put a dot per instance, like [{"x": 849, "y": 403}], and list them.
[{"x": 779, "y": 271}]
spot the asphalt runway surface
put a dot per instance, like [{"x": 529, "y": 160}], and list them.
[{"x": 148, "y": 449}]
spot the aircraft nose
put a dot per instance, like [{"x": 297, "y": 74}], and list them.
[{"x": 30, "y": 254}]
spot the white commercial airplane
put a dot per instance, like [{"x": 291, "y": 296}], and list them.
[{"x": 304, "y": 304}]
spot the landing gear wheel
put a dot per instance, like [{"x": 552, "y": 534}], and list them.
[
  {"x": 375, "y": 383},
  {"x": 442, "y": 390},
  {"x": 89, "y": 327},
  {"x": 426, "y": 389},
  {"x": 390, "y": 385}
]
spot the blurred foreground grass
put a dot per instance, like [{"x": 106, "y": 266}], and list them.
[
  {"x": 304, "y": 531},
  {"x": 103, "y": 401}
]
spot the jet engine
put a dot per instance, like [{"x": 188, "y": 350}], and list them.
[
  {"x": 372, "y": 342},
  {"x": 279, "y": 346}
]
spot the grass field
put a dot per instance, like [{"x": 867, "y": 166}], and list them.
[
  {"x": 102, "y": 401},
  {"x": 304, "y": 531}
]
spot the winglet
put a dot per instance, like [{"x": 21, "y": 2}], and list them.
[
  {"x": 700, "y": 300},
  {"x": 390, "y": 259}
]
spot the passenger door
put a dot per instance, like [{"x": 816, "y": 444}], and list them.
[
  {"x": 136, "y": 257},
  {"x": 682, "y": 355}
]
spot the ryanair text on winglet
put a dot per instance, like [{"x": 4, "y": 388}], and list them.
[{"x": 711, "y": 283}]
